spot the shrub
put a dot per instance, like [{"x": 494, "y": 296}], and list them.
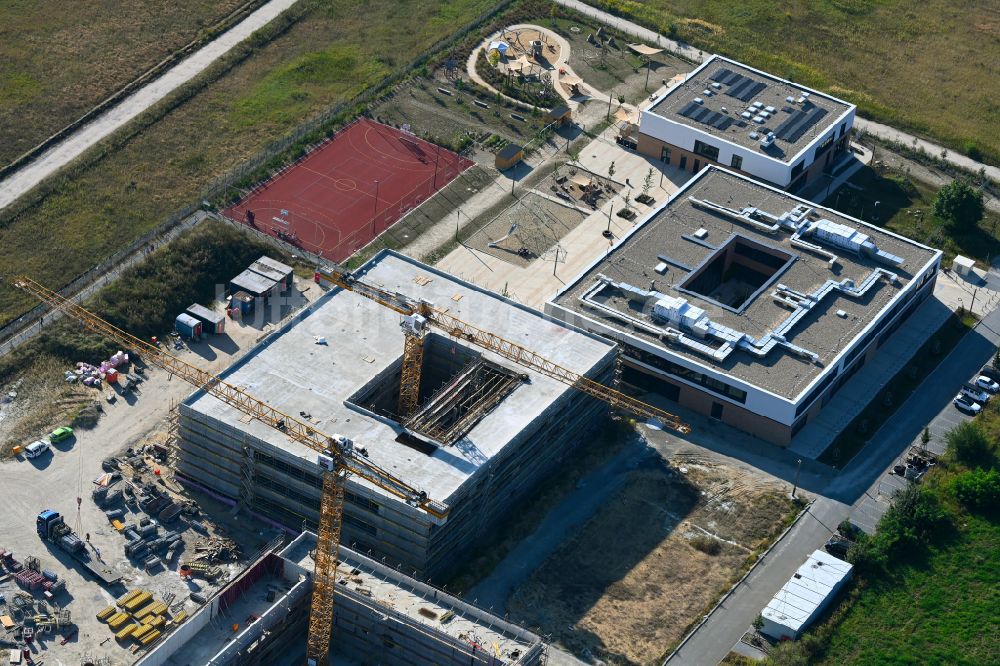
[
  {"x": 706, "y": 544},
  {"x": 915, "y": 515},
  {"x": 960, "y": 204},
  {"x": 968, "y": 444},
  {"x": 978, "y": 489}
]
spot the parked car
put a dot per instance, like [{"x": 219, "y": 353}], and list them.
[
  {"x": 987, "y": 384},
  {"x": 972, "y": 392},
  {"x": 991, "y": 372},
  {"x": 967, "y": 405},
  {"x": 837, "y": 546},
  {"x": 36, "y": 448},
  {"x": 60, "y": 434}
]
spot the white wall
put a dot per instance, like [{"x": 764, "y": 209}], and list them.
[{"x": 682, "y": 136}]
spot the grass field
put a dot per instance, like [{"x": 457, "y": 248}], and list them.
[
  {"x": 928, "y": 67},
  {"x": 928, "y": 581},
  {"x": 58, "y": 64},
  {"x": 134, "y": 188}
]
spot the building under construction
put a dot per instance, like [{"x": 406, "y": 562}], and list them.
[
  {"x": 484, "y": 433},
  {"x": 381, "y": 616}
]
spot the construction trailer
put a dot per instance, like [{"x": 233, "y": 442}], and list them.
[
  {"x": 189, "y": 327},
  {"x": 212, "y": 323},
  {"x": 380, "y": 615},
  {"x": 273, "y": 269},
  {"x": 485, "y": 431},
  {"x": 804, "y": 597},
  {"x": 254, "y": 284}
]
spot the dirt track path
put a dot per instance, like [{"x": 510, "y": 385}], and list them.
[{"x": 67, "y": 150}]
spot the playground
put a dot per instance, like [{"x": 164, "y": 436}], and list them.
[{"x": 342, "y": 195}]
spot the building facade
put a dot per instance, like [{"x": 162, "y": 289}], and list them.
[
  {"x": 748, "y": 305},
  {"x": 486, "y": 433}
]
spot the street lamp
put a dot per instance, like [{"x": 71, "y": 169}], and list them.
[{"x": 798, "y": 469}]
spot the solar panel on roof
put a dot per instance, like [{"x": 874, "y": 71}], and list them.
[
  {"x": 798, "y": 123},
  {"x": 701, "y": 114},
  {"x": 720, "y": 74}
]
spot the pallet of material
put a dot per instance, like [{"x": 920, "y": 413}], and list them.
[
  {"x": 106, "y": 613},
  {"x": 125, "y": 632},
  {"x": 128, "y": 596},
  {"x": 180, "y": 617},
  {"x": 147, "y": 611},
  {"x": 141, "y": 631},
  {"x": 156, "y": 621},
  {"x": 143, "y": 598},
  {"x": 150, "y": 637},
  {"x": 117, "y": 620}
]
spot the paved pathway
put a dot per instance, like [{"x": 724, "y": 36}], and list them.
[
  {"x": 61, "y": 154},
  {"x": 876, "y": 129}
]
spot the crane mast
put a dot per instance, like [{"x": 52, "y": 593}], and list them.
[{"x": 419, "y": 314}]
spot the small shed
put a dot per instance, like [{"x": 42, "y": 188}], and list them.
[
  {"x": 188, "y": 326},
  {"x": 804, "y": 597},
  {"x": 254, "y": 284},
  {"x": 212, "y": 322},
  {"x": 275, "y": 270},
  {"x": 560, "y": 115},
  {"x": 242, "y": 302},
  {"x": 963, "y": 265},
  {"x": 509, "y": 156}
]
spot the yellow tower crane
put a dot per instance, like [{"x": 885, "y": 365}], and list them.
[{"x": 337, "y": 453}]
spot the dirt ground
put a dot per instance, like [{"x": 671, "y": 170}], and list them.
[
  {"x": 653, "y": 559},
  {"x": 541, "y": 223}
]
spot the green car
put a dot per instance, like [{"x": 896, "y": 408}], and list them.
[{"x": 60, "y": 434}]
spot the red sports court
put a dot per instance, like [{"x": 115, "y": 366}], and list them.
[{"x": 342, "y": 195}]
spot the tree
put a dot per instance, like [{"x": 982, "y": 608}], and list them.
[
  {"x": 611, "y": 169},
  {"x": 960, "y": 204},
  {"x": 647, "y": 183},
  {"x": 925, "y": 437},
  {"x": 996, "y": 359},
  {"x": 758, "y": 623},
  {"x": 968, "y": 444},
  {"x": 493, "y": 58}
]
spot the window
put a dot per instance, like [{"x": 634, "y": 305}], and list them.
[
  {"x": 797, "y": 169},
  {"x": 665, "y": 155},
  {"x": 717, "y": 410},
  {"x": 359, "y": 524},
  {"x": 722, "y": 388},
  {"x": 737, "y": 162},
  {"x": 683, "y": 163},
  {"x": 711, "y": 152},
  {"x": 697, "y": 165},
  {"x": 843, "y": 128}
]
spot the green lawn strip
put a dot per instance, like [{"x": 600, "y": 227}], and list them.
[
  {"x": 130, "y": 189},
  {"x": 885, "y": 403},
  {"x": 927, "y": 583},
  {"x": 899, "y": 61},
  {"x": 59, "y": 64},
  {"x": 906, "y": 206}
]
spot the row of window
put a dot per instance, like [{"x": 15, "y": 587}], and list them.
[
  {"x": 313, "y": 480},
  {"x": 693, "y": 376},
  {"x": 704, "y": 149}
]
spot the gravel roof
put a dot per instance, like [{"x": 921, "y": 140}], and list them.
[{"x": 669, "y": 233}]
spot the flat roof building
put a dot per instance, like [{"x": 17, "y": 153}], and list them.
[
  {"x": 732, "y": 115},
  {"x": 485, "y": 432},
  {"x": 751, "y": 305},
  {"x": 275, "y": 270},
  {"x": 380, "y": 616}
]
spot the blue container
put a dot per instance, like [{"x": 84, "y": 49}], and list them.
[{"x": 188, "y": 326}]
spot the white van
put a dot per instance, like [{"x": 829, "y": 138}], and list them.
[{"x": 36, "y": 449}]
